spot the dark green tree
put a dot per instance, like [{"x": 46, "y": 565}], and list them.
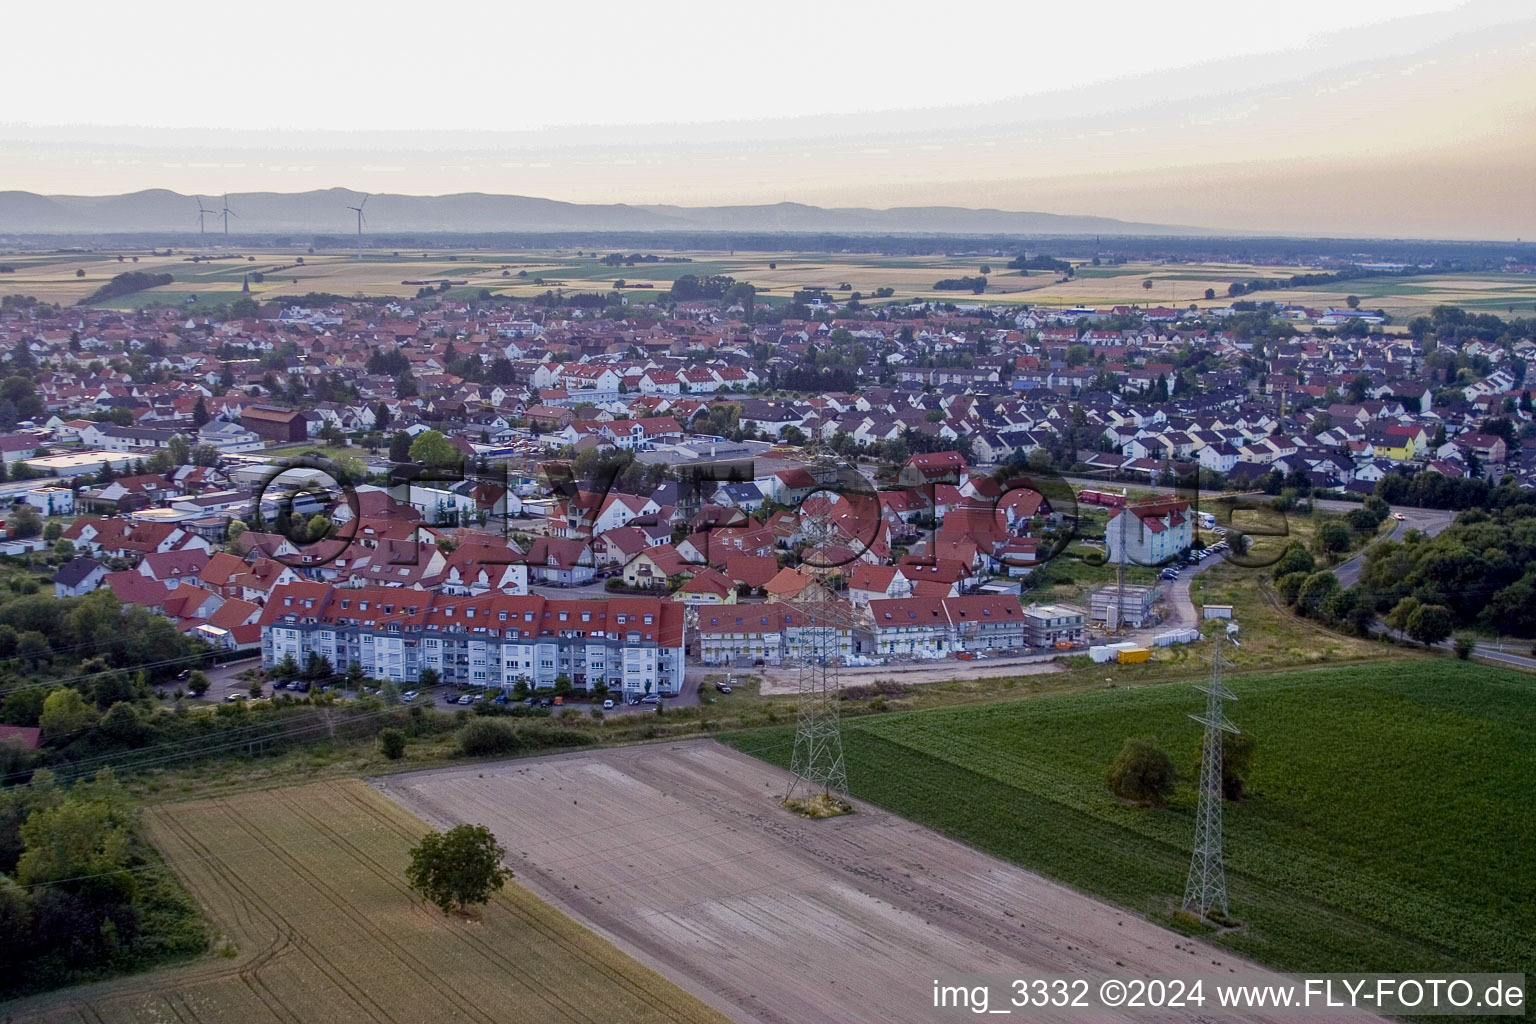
[
  {"x": 457, "y": 868},
  {"x": 1143, "y": 773}
]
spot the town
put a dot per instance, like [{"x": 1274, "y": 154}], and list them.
[
  {"x": 318, "y": 536},
  {"x": 674, "y": 456}
]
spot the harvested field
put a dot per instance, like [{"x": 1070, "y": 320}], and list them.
[
  {"x": 51, "y": 277},
  {"x": 680, "y": 853},
  {"x": 306, "y": 887}
]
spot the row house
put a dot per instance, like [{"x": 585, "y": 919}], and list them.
[
  {"x": 929, "y": 628},
  {"x": 768, "y": 634}
]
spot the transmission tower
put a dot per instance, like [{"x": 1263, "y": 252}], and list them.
[
  {"x": 1206, "y": 888},
  {"x": 1125, "y": 514},
  {"x": 817, "y": 762}
]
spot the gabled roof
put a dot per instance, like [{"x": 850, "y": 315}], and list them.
[{"x": 76, "y": 571}]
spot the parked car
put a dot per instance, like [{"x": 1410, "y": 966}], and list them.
[
  {"x": 544, "y": 703},
  {"x": 531, "y": 701},
  {"x": 723, "y": 687},
  {"x": 280, "y": 684},
  {"x": 301, "y": 687},
  {"x": 651, "y": 698},
  {"x": 410, "y": 695},
  {"x": 235, "y": 697},
  {"x": 607, "y": 705}
]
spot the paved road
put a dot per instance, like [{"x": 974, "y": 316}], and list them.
[
  {"x": 1426, "y": 520},
  {"x": 1487, "y": 650},
  {"x": 1182, "y": 613},
  {"x": 1491, "y": 652}
]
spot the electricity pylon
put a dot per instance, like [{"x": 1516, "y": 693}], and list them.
[
  {"x": 817, "y": 762},
  {"x": 1206, "y": 888}
]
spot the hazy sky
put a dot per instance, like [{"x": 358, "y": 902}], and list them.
[{"x": 1400, "y": 117}]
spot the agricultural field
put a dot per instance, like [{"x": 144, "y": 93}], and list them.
[
  {"x": 681, "y": 852},
  {"x": 52, "y": 277},
  {"x": 1386, "y": 828},
  {"x": 304, "y": 887}
]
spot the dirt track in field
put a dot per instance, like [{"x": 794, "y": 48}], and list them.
[
  {"x": 781, "y": 681},
  {"x": 680, "y": 854}
]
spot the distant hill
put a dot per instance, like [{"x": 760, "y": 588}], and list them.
[{"x": 325, "y": 211}]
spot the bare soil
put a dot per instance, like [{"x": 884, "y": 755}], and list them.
[{"x": 680, "y": 854}]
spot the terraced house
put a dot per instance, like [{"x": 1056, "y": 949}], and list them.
[
  {"x": 633, "y": 645},
  {"x": 930, "y": 628}
]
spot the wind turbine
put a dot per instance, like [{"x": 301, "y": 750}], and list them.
[
  {"x": 227, "y": 213},
  {"x": 201, "y": 213},
  {"x": 360, "y": 221}
]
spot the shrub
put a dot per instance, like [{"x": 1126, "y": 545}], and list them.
[
  {"x": 485, "y": 736},
  {"x": 392, "y": 744},
  {"x": 1464, "y": 647},
  {"x": 1143, "y": 772}
]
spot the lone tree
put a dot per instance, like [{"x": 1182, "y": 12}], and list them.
[
  {"x": 457, "y": 868},
  {"x": 1143, "y": 773}
]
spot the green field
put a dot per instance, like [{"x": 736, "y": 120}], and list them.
[{"x": 1388, "y": 826}]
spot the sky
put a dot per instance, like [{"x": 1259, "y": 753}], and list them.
[{"x": 1406, "y": 118}]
